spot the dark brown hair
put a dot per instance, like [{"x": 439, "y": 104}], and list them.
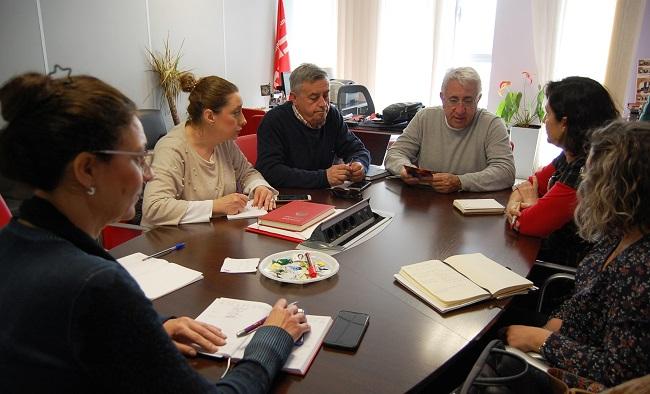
[
  {"x": 51, "y": 121},
  {"x": 206, "y": 93},
  {"x": 586, "y": 104}
]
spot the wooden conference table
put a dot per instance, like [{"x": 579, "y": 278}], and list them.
[{"x": 407, "y": 342}]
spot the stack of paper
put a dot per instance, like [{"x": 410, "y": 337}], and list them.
[{"x": 158, "y": 277}]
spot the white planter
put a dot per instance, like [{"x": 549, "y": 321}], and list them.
[{"x": 524, "y": 140}]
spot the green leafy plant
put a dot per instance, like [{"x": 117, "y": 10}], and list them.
[
  {"x": 516, "y": 108},
  {"x": 166, "y": 65}
]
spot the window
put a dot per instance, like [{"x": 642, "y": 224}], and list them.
[
  {"x": 420, "y": 39},
  {"x": 311, "y": 32},
  {"x": 583, "y": 49}
]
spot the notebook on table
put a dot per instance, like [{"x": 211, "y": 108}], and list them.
[
  {"x": 461, "y": 280},
  {"x": 479, "y": 206},
  {"x": 231, "y": 315},
  {"x": 158, "y": 277}
]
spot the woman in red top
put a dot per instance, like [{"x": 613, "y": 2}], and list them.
[{"x": 543, "y": 206}]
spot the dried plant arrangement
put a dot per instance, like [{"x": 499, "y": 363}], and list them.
[{"x": 166, "y": 65}]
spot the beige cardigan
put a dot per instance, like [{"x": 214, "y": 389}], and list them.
[{"x": 181, "y": 175}]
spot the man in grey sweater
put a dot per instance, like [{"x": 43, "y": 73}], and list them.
[{"x": 467, "y": 148}]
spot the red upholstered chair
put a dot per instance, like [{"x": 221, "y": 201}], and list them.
[
  {"x": 117, "y": 233},
  {"x": 5, "y": 213},
  {"x": 253, "y": 119},
  {"x": 248, "y": 146}
]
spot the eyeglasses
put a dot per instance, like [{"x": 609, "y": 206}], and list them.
[
  {"x": 144, "y": 159},
  {"x": 467, "y": 102}
]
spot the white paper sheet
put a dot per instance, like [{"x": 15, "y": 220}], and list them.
[
  {"x": 249, "y": 212},
  {"x": 237, "y": 266}
]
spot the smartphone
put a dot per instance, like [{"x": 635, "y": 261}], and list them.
[
  {"x": 292, "y": 197},
  {"x": 358, "y": 186},
  {"x": 347, "y": 331}
]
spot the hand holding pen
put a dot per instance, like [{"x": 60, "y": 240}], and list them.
[{"x": 289, "y": 318}]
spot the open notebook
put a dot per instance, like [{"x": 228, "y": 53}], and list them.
[
  {"x": 232, "y": 315},
  {"x": 158, "y": 277},
  {"x": 461, "y": 280}
]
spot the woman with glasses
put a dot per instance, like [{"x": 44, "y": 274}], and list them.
[
  {"x": 602, "y": 332},
  {"x": 200, "y": 171},
  {"x": 543, "y": 206},
  {"x": 74, "y": 320}
]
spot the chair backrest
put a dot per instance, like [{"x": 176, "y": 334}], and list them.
[
  {"x": 5, "y": 213},
  {"x": 252, "y": 123},
  {"x": 153, "y": 124},
  {"x": 253, "y": 119},
  {"x": 355, "y": 100},
  {"x": 248, "y": 146},
  {"x": 117, "y": 233}
]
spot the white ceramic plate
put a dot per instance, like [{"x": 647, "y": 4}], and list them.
[{"x": 296, "y": 271}]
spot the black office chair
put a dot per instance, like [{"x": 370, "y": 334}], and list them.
[
  {"x": 349, "y": 100},
  {"x": 556, "y": 283},
  {"x": 153, "y": 125}
]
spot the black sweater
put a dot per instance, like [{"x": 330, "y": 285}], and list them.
[
  {"x": 290, "y": 154},
  {"x": 73, "y": 320}
]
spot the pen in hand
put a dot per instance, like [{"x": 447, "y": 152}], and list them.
[
  {"x": 248, "y": 329},
  {"x": 178, "y": 246}
]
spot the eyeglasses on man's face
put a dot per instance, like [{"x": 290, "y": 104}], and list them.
[
  {"x": 467, "y": 102},
  {"x": 142, "y": 159}
]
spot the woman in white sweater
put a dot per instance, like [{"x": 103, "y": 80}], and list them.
[{"x": 199, "y": 170}]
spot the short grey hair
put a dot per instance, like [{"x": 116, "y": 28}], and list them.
[
  {"x": 464, "y": 76},
  {"x": 306, "y": 72}
]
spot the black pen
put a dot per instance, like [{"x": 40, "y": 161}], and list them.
[{"x": 178, "y": 246}]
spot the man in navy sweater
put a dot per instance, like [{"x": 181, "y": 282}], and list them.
[{"x": 304, "y": 142}]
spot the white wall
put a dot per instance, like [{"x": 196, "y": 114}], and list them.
[
  {"x": 512, "y": 50},
  {"x": 108, "y": 39}
]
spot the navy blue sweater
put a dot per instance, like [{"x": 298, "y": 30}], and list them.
[
  {"x": 290, "y": 154},
  {"x": 73, "y": 321}
]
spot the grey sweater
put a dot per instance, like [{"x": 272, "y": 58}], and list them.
[{"x": 480, "y": 154}]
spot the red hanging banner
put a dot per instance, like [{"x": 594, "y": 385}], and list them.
[{"x": 281, "y": 57}]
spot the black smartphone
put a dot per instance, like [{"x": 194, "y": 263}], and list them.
[
  {"x": 347, "y": 331},
  {"x": 358, "y": 186},
  {"x": 292, "y": 197}
]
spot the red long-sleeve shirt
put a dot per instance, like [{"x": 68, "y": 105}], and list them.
[{"x": 554, "y": 208}]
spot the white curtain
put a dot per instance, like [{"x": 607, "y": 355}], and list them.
[
  {"x": 547, "y": 18},
  {"x": 357, "y": 41},
  {"x": 622, "y": 48},
  {"x": 399, "y": 50}
]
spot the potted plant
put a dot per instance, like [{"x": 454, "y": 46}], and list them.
[
  {"x": 523, "y": 117},
  {"x": 166, "y": 65}
]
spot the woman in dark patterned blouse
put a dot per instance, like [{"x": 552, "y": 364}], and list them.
[
  {"x": 603, "y": 332},
  {"x": 543, "y": 206}
]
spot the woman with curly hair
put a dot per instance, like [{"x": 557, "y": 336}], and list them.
[
  {"x": 543, "y": 206},
  {"x": 603, "y": 331}
]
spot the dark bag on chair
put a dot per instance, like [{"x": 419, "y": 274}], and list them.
[
  {"x": 400, "y": 112},
  {"x": 498, "y": 371}
]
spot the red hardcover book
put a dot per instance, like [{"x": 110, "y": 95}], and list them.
[{"x": 296, "y": 215}]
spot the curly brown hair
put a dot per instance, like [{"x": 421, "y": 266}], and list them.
[{"x": 615, "y": 192}]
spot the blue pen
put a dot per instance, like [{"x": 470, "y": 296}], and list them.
[{"x": 178, "y": 246}]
